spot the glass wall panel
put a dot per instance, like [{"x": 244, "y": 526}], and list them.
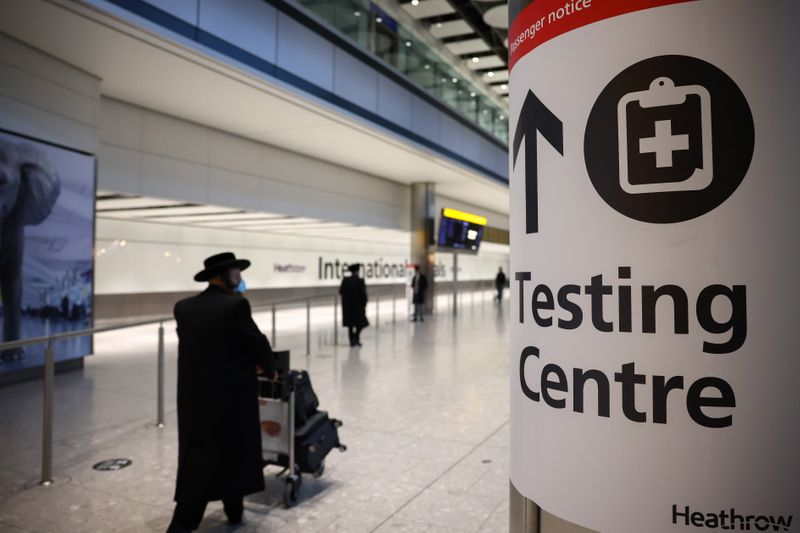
[{"x": 369, "y": 26}]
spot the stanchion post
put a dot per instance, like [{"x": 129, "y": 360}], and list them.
[
  {"x": 273, "y": 339},
  {"x": 335, "y": 319},
  {"x": 160, "y": 372},
  {"x": 308, "y": 326},
  {"x": 47, "y": 418},
  {"x": 377, "y": 312}
]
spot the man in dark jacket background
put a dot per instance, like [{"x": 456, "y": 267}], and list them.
[
  {"x": 353, "y": 291},
  {"x": 419, "y": 285},
  {"x": 220, "y": 349},
  {"x": 500, "y": 284}
]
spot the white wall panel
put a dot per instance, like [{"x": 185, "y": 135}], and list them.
[
  {"x": 163, "y": 177},
  {"x": 120, "y": 124},
  {"x": 490, "y": 155},
  {"x": 41, "y": 124},
  {"x": 355, "y": 81},
  {"x": 119, "y": 169},
  {"x": 233, "y": 153},
  {"x": 23, "y": 86},
  {"x": 450, "y": 133},
  {"x": 394, "y": 102},
  {"x": 470, "y": 142},
  {"x": 175, "y": 253},
  {"x": 45, "y": 98},
  {"x": 174, "y": 138},
  {"x": 234, "y": 188},
  {"x": 425, "y": 119},
  {"x": 185, "y": 161},
  {"x": 304, "y": 53},
  {"x": 249, "y": 24}
]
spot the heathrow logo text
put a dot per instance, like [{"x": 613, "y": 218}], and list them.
[{"x": 730, "y": 520}]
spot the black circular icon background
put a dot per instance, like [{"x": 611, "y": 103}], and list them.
[{"x": 733, "y": 138}]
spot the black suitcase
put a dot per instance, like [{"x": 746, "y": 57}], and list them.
[
  {"x": 314, "y": 440},
  {"x": 306, "y": 402}
]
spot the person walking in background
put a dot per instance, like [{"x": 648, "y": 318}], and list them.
[
  {"x": 220, "y": 350},
  {"x": 419, "y": 285},
  {"x": 500, "y": 284},
  {"x": 354, "y": 304}
]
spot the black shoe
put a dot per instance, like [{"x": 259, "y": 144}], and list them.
[
  {"x": 175, "y": 528},
  {"x": 235, "y": 521}
]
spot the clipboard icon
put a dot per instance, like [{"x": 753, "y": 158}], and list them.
[{"x": 665, "y": 139}]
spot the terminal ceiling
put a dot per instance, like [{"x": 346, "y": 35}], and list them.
[
  {"x": 476, "y": 31},
  {"x": 172, "y": 77}
]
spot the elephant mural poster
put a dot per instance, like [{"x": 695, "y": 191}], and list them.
[{"x": 47, "y": 198}]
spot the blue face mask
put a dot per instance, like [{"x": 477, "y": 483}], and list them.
[{"x": 241, "y": 287}]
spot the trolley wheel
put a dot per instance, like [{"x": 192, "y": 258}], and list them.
[
  {"x": 291, "y": 491},
  {"x": 320, "y": 470}
]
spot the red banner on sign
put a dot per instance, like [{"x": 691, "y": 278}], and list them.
[{"x": 547, "y": 19}]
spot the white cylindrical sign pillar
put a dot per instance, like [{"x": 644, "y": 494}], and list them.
[{"x": 654, "y": 214}]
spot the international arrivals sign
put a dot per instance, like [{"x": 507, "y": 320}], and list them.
[{"x": 654, "y": 255}]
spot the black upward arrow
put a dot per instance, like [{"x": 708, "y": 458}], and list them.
[{"x": 535, "y": 117}]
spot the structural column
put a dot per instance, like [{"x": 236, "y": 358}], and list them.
[
  {"x": 654, "y": 252},
  {"x": 423, "y": 215}
]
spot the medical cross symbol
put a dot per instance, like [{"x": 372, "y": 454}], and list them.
[{"x": 664, "y": 144}]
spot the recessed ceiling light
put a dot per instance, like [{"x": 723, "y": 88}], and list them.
[
  {"x": 427, "y": 67},
  {"x": 414, "y": 2},
  {"x": 357, "y": 13},
  {"x": 379, "y": 20},
  {"x": 455, "y": 80},
  {"x": 472, "y": 95},
  {"x": 490, "y": 74},
  {"x": 438, "y": 24},
  {"x": 476, "y": 59},
  {"x": 504, "y": 87},
  {"x": 408, "y": 43},
  {"x": 501, "y": 117}
]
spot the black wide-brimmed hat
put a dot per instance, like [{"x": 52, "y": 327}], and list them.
[{"x": 217, "y": 264}]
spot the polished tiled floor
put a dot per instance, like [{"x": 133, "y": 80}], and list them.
[{"x": 425, "y": 408}]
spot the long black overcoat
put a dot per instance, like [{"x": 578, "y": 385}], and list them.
[
  {"x": 354, "y": 302},
  {"x": 420, "y": 285},
  {"x": 219, "y": 435}
]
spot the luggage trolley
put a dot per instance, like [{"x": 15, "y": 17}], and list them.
[{"x": 278, "y": 433}]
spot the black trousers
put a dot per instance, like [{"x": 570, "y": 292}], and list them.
[
  {"x": 189, "y": 514},
  {"x": 354, "y": 332},
  {"x": 500, "y": 293}
]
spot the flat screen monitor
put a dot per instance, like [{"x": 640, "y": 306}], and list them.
[{"x": 460, "y": 231}]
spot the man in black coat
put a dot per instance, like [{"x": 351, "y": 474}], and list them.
[
  {"x": 419, "y": 285},
  {"x": 500, "y": 283},
  {"x": 219, "y": 438},
  {"x": 354, "y": 305}
]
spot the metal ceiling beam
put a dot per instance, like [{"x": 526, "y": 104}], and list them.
[
  {"x": 489, "y": 69},
  {"x": 449, "y": 17},
  {"x": 474, "y": 17},
  {"x": 489, "y": 53}
]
